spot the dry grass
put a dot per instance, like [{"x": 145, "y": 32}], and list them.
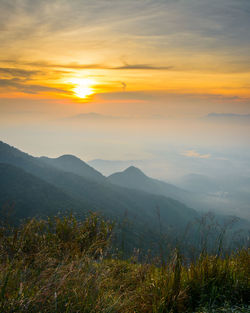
[{"x": 62, "y": 265}]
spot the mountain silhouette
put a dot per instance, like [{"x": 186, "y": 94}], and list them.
[
  {"x": 70, "y": 163},
  {"x": 31, "y": 196},
  {"x": 134, "y": 178},
  {"x": 113, "y": 201},
  {"x": 43, "y": 186}
]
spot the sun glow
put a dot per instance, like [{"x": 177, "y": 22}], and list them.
[{"x": 83, "y": 87}]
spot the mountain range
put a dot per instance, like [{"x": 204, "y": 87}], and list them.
[
  {"x": 228, "y": 117},
  {"x": 70, "y": 163},
  {"x": 44, "y": 186},
  {"x": 134, "y": 178},
  {"x": 65, "y": 183}
]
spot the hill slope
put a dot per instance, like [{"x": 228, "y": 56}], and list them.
[
  {"x": 31, "y": 196},
  {"x": 113, "y": 201},
  {"x": 134, "y": 178},
  {"x": 70, "y": 163},
  {"x": 141, "y": 216}
]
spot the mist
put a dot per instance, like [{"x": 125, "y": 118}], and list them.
[{"x": 197, "y": 154}]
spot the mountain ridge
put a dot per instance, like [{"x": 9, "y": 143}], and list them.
[
  {"x": 71, "y": 163},
  {"x": 142, "y": 209},
  {"x": 133, "y": 177},
  {"x": 30, "y": 196},
  {"x": 100, "y": 195}
]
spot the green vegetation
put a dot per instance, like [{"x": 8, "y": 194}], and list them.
[{"x": 65, "y": 265}]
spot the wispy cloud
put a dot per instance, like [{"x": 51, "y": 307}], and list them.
[
  {"x": 196, "y": 26},
  {"x": 79, "y": 66},
  {"x": 152, "y": 35},
  {"x": 195, "y": 154},
  {"x": 227, "y": 117},
  {"x": 124, "y": 86},
  {"x": 26, "y": 80},
  {"x": 141, "y": 67},
  {"x": 21, "y": 86},
  {"x": 16, "y": 72}
]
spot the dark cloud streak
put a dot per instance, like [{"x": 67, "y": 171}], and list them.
[
  {"x": 79, "y": 66},
  {"x": 18, "y": 72},
  {"x": 20, "y": 85},
  {"x": 141, "y": 67}
]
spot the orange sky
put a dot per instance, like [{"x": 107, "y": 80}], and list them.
[{"x": 125, "y": 57}]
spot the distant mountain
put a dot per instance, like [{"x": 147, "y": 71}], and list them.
[
  {"x": 115, "y": 202},
  {"x": 108, "y": 167},
  {"x": 197, "y": 191},
  {"x": 70, "y": 163},
  {"x": 134, "y": 178},
  {"x": 200, "y": 183},
  {"x": 228, "y": 117},
  {"x": 31, "y": 196},
  {"x": 39, "y": 186},
  {"x": 93, "y": 116}
]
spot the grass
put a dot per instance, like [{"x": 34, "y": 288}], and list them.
[
  {"x": 226, "y": 308},
  {"x": 63, "y": 265}
]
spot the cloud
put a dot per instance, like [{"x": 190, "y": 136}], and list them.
[
  {"x": 173, "y": 26},
  {"x": 106, "y": 67},
  {"x": 227, "y": 117},
  {"x": 74, "y": 65},
  {"x": 19, "y": 79},
  {"x": 141, "y": 67},
  {"x": 153, "y": 35},
  {"x": 79, "y": 66},
  {"x": 124, "y": 86},
  {"x": 20, "y": 85},
  {"x": 18, "y": 72},
  {"x": 195, "y": 154}
]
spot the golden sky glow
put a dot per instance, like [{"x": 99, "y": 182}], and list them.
[
  {"x": 83, "y": 87},
  {"x": 122, "y": 51}
]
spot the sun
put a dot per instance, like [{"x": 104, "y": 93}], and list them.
[{"x": 83, "y": 87}]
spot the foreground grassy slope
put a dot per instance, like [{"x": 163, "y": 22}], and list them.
[{"x": 62, "y": 265}]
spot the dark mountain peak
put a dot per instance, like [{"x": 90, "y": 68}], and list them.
[
  {"x": 134, "y": 171},
  {"x": 73, "y": 164},
  {"x": 5, "y": 147},
  {"x": 3, "y": 143},
  {"x": 9, "y": 153},
  {"x": 132, "y": 176},
  {"x": 64, "y": 157},
  {"x": 70, "y": 157}
]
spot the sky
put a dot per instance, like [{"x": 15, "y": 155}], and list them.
[{"x": 150, "y": 69}]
